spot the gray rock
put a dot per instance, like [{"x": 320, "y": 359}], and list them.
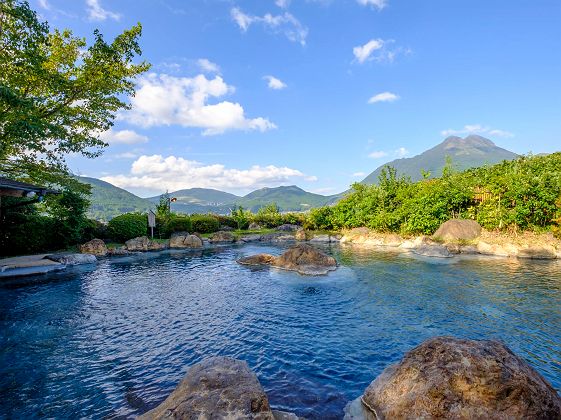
[
  {"x": 254, "y": 226},
  {"x": 142, "y": 243},
  {"x": 94, "y": 247},
  {"x": 72, "y": 259},
  {"x": 250, "y": 238},
  {"x": 324, "y": 238},
  {"x": 447, "y": 377},
  {"x": 302, "y": 258},
  {"x": 222, "y": 236},
  {"x": 432, "y": 250},
  {"x": 287, "y": 228},
  {"x": 458, "y": 230},
  {"x": 225, "y": 228},
  {"x": 119, "y": 251},
  {"x": 184, "y": 240},
  {"x": 216, "y": 388}
]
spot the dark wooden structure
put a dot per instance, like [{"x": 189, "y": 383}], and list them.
[{"x": 11, "y": 188}]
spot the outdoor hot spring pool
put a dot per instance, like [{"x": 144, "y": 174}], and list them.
[{"x": 113, "y": 340}]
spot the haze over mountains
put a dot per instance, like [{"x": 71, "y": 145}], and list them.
[{"x": 109, "y": 201}]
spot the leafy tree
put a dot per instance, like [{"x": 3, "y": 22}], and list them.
[
  {"x": 163, "y": 208},
  {"x": 241, "y": 217},
  {"x": 57, "y": 93}
]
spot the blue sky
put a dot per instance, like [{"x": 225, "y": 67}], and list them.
[{"x": 246, "y": 94}]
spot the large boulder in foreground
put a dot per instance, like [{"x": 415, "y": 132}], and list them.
[
  {"x": 142, "y": 243},
  {"x": 458, "y": 230},
  {"x": 447, "y": 377},
  {"x": 184, "y": 240},
  {"x": 302, "y": 258},
  {"x": 94, "y": 247},
  {"x": 216, "y": 388}
]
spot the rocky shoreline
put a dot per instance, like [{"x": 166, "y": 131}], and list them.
[{"x": 454, "y": 238}]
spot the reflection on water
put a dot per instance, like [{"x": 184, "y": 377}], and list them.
[{"x": 115, "y": 340}]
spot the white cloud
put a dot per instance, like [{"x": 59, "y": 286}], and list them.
[
  {"x": 363, "y": 52},
  {"x": 283, "y": 4},
  {"x": 96, "y": 12},
  {"x": 378, "y": 50},
  {"x": 158, "y": 173},
  {"x": 126, "y": 155},
  {"x": 208, "y": 66},
  {"x": 44, "y": 4},
  {"x": 477, "y": 129},
  {"x": 402, "y": 152},
  {"x": 274, "y": 83},
  {"x": 122, "y": 137},
  {"x": 383, "y": 97},
  {"x": 359, "y": 174},
  {"x": 379, "y": 4},
  {"x": 161, "y": 99},
  {"x": 377, "y": 154},
  {"x": 285, "y": 23}
]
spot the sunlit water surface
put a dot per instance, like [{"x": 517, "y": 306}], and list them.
[{"x": 113, "y": 341}]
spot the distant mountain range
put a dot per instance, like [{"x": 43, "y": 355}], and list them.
[
  {"x": 109, "y": 201},
  {"x": 469, "y": 152}
]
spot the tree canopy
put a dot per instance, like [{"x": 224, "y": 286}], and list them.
[{"x": 57, "y": 94}]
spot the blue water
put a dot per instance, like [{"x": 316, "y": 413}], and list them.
[{"x": 113, "y": 341}]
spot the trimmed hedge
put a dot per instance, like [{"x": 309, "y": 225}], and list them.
[
  {"x": 177, "y": 223},
  {"x": 204, "y": 223},
  {"x": 128, "y": 226}
]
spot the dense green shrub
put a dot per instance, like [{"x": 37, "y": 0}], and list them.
[
  {"x": 241, "y": 217},
  {"x": 128, "y": 226},
  {"x": 268, "y": 216},
  {"x": 293, "y": 218},
  {"x": 204, "y": 223},
  {"x": 177, "y": 223},
  {"x": 227, "y": 221},
  {"x": 94, "y": 229},
  {"x": 519, "y": 194}
]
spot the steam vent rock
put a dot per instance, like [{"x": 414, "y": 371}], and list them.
[
  {"x": 303, "y": 258},
  {"x": 458, "y": 230},
  {"x": 452, "y": 378},
  {"x": 216, "y": 388}
]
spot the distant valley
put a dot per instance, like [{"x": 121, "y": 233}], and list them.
[{"x": 109, "y": 201}]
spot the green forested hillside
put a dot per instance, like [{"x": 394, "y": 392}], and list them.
[
  {"x": 290, "y": 198},
  {"x": 470, "y": 152},
  {"x": 108, "y": 201}
]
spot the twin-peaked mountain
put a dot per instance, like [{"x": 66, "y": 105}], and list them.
[{"x": 109, "y": 201}]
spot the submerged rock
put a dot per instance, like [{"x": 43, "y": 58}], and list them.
[
  {"x": 222, "y": 236},
  {"x": 302, "y": 258},
  {"x": 72, "y": 259},
  {"x": 458, "y": 230},
  {"x": 258, "y": 259},
  {"x": 216, "y": 388},
  {"x": 432, "y": 250},
  {"x": 142, "y": 243},
  {"x": 94, "y": 247},
  {"x": 184, "y": 240},
  {"x": 447, "y": 377}
]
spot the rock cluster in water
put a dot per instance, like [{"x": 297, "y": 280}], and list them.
[
  {"x": 302, "y": 258},
  {"x": 443, "y": 378},
  {"x": 95, "y": 247},
  {"x": 184, "y": 240}
]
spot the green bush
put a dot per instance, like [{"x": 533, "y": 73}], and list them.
[
  {"x": 293, "y": 218},
  {"x": 128, "y": 226},
  {"x": 177, "y": 223},
  {"x": 204, "y": 223},
  {"x": 94, "y": 229},
  {"x": 268, "y": 216},
  {"x": 227, "y": 221}
]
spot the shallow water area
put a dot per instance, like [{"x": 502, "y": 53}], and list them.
[{"x": 113, "y": 340}]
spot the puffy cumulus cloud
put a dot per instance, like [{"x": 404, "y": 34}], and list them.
[
  {"x": 477, "y": 129},
  {"x": 377, "y": 154},
  {"x": 274, "y": 83},
  {"x": 383, "y": 97},
  {"x": 379, "y": 50},
  {"x": 283, "y": 4},
  {"x": 285, "y": 24},
  {"x": 379, "y": 4},
  {"x": 161, "y": 99},
  {"x": 98, "y": 13},
  {"x": 157, "y": 173},
  {"x": 208, "y": 66},
  {"x": 122, "y": 137}
]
